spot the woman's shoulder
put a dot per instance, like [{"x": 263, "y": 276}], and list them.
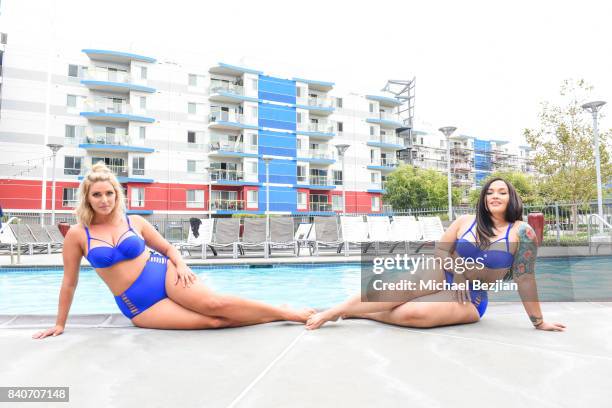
[{"x": 522, "y": 231}]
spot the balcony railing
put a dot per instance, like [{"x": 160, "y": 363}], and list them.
[
  {"x": 226, "y": 175},
  {"x": 462, "y": 182},
  {"x": 119, "y": 138},
  {"x": 385, "y": 162},
  {"x": 118, "y": 170},
  {"x": 223, "y": 116},
  {"x": 226, "y": 145},
  {"x": 320, "y": 154},
  {"x": 321, "y": 102},
  {"x": 391, "y": 139},
  {"x": 461, "y": 167},
  {"x": 319, "y": 180},
  {"x": 302, "y": 179},
  {"x": 316, "y": 206},
  {"x": 222, "y": 86},
  {"x": 389, "y": 116},
  {"x": 101, "y": 74},
  {"x": 108, "y": 105},
  {"x": 220, "y": 204}
]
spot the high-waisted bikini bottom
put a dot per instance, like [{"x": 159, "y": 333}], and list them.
[
  {"x": 148, "y": 289},
  {"x": 480, "y": 298}
]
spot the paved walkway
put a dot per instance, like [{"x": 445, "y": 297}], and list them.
[{"x": 500, "y": 361}]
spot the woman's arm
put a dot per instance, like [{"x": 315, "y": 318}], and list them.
[
  {"x": 157, "y": 242},
  {"x": 523, "y": 273},
  {"x": 71, "y": 253},
  {"x": 444, "y": 250}
]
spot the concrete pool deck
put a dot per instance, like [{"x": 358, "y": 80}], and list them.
[{"x": 500, "y": 361}]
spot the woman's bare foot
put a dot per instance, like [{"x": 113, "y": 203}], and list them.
[
  {"x": 300, "y": 316},
  {"x": 319, "y": 319}
]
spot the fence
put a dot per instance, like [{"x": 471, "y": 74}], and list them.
[{"x": 561, "y": 227}]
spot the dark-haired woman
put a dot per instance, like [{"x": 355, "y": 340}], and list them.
[{"x": 506, "y": 249}]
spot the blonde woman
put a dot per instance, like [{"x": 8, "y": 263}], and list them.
[{"x": 154, "y": 289}]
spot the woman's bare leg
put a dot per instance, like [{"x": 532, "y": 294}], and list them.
[{"x": 202, "y": 300}]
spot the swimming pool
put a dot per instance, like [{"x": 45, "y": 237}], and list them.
[{"x": 35, "y": 291}]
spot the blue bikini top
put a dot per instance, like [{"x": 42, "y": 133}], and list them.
[
  {"x": 492, "y": 258},
  {"x": 106, "y": 256}
]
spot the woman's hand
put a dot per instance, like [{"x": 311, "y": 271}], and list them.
[
  {"x": 550, "y": 326},
  {"x": 185, "y": 274},
  {"x": 53, "y": 331},
  {"x": 463, "y": 295}
]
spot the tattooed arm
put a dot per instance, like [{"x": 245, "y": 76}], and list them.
[{"x": 523, "y": 273}]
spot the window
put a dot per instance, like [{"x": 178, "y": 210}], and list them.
[
  {"x": 253, "y": 139},
  {"x": 191, "y": 137},
  {"x": 340, "y": 127},
  {"x": 193, "y": 80},
  {"x": 371, "y": 107},
  {"x": 143, "y": 72},
  {"x": 252, "y": 198},
  {"x": 73, "y": 70},
  {"x": 298, "y": 117},
  {"x": 254, "y": 84},
  {"x": 142, "y": 132},
  {"x": 301, "y": 200},
  {"x": 372, "y": 131},
  {"x": 137, "y": 197},
  {"x": 374, "y": 178},
  {"x": 70, "y": 131},
  {"x": 339, "y": 102},
  {"x": 72, "y": 165},
  {"x": 143, "y": 102},
  {"x": 298, "y": 92},
  {"x": 191, "y": 166},
  {"x": 338, "y": 180},
  {"x": 421, "y": 140},
  {"x": 376, "y": 203},
  {"x": 337, "y": 204},
  {"x": 195, "y": 198},
  {"x": 254, "y": 111},
  {"x": 191, "y": 108},
  {"x": 253, "y": 169},
  {"x": 298, "y": 144},
  {"x": 138, "y": 166},
  {"x": 301, "y": 174},
  {"x": 71, "y": 101},
  {"x": 69, "y": 197},
  {"x": 372, "y": 156}
]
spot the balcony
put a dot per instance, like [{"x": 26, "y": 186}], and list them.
[
  {"x": 384, "y": 100},
  {"x": 116, "y": 56},
  {"x": 384, "y": 164},
  {"x": 321, "y": 130},
  {"x": 460, "y": 151},
  {"x": 386, "y": 119},
  {"x": 461, "y": 167},
  {"x": 111, "y": 110},
  {"x": 224, "y": 177},
  {"x": 318, "y": 105},
  {"x": 320, "y": 207},
  {"x": 117, "y": 142},
  {"x": 316, "y": 156},
  {"x": 379, "y": 188},
  {"x": 228, "y": 148},
  {"x": 460, "y": 182},
  {"x": 227, "y": 205},
  {"x": 123, "y": 174},
  {"x": 102, "y": 79},
  {"x": 228, "y": 120},
  {"x": 223, "y": 91},
  {"x": 387, "y": 142}
]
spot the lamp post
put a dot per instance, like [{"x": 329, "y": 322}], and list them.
[
  {"x": 267, "y": 161},
  {"x": 54, "y": 149},
  {"x": 341, "y": 150},
  {"x": 593, "y": 108},
  {"x": 447, "y": 131},
  {"x": 209, "y": 170}
]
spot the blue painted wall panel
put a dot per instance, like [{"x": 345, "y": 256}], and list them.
[
  {"x": 276, "y": 116},
  {"x": 281, "y": 171},
  {"x": 276, "y": 89},
  {"x": 281, "y": 198},
  {"x": 277, "y": 143}
]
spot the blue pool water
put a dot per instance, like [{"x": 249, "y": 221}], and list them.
[{"x": 33, "y": 291}]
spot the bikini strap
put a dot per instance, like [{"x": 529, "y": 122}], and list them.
[
  {"x": 128, "y": 220},
  {"x": 507, "y": 235},
  {"x": 470, "y": 229},
  {"x": 88, "y": 238}
]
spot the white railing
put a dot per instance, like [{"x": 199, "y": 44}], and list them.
[
  {"x": 220, "y": 204},
  {"x": 221, "y": 86},
  {"x": 323, "y": 127},
  {"x": 223, "y": 116},
  {"x": 226, "y": 175},
  {"x": 389, "y": 116},
  {"x": 107, "y": 105},
  {"x": 601, "y": 237},
  {"x": 320, "y": 154},
  {"x": 391, "y": 139},
  {"x": 319, "y": 206},
  {"x": 102, "y": 74},
  {"x": 319, "y": 180},
  {"x": 385, "y": 162},
  {"x": 6, "y": 230},
  {"x": 118, "y": 138},
  {"x": 321, "y": 102}
]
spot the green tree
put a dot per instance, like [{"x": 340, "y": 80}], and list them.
[
  {"x": 524, "y": 184},
  {"x": 563, "y": 146},
  {"x": 413, "y": 187}
]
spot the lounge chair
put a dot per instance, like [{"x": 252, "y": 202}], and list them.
[
  {"x": 432, "y": 231},
  {"x": 325, "y": 233},
  {"x": 204, "y": 238},
  {"x": 281, "y": 234},
  {"x": 24, "y": 236},
  {"x": 354, "y": 231},
  {"x": 404, "y": 229},
  {"x": 227, "y": 234},
  {"x": 55, "y": 234},
  {"x": 303, "y": 237},
  {"x": 7, "y": 239},
  {"x": 378, "y": 231},
  {"x": 41, "y": 236},
  {"x": 254, "y": 235}
]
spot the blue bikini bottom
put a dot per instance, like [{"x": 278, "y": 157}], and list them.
[
  {"x": 480, "y": 298},
  {"x": 148, "y": 289}
]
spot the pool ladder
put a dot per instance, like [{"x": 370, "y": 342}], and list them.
[{"x": 600, "y": 238}]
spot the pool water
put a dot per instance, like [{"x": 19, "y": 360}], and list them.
[{"x": 36, "y": 291}]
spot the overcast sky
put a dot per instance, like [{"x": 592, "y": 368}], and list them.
[{"x": 483, "y": 66}]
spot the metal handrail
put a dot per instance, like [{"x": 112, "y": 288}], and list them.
[{"x": 604, "y": 224}]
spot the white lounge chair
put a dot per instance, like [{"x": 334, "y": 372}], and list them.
[
  {"x": 378, "y": 231},
  {"x": 354, "y": 230},
  {"x": 204, "y": 238},
  {"x": 404, "y": 229}
]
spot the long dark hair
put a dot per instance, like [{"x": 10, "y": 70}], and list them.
[{"x": 484, "y": 223}]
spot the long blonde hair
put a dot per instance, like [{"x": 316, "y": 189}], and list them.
[{"x": 99, "y": 172}]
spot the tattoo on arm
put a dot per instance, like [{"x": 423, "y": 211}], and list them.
[
  {"x": 536, "y": 320},
  {"x": 526, "y": 253}
]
